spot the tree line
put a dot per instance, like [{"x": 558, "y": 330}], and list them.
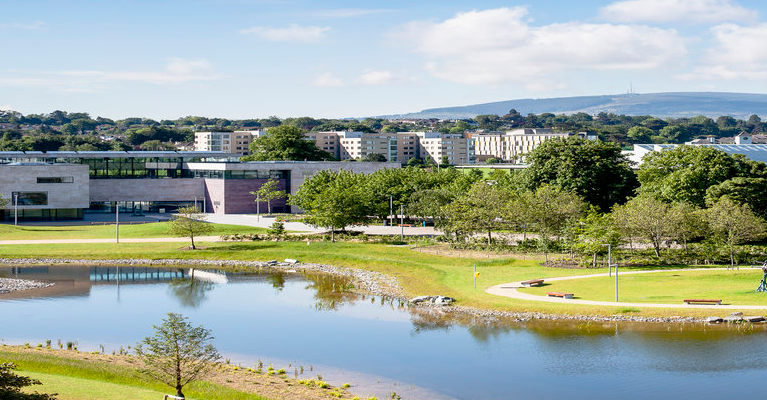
[{"x": 576, "y": 196}]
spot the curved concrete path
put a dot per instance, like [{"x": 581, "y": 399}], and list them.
[{"x": 510, "y": 290}]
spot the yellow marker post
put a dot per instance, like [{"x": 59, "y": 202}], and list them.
[{"x": 476, "y": 274}]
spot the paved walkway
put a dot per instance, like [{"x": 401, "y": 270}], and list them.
[
  {"x": 126, "y": 240},
  {"x": 265, "y": 222},
  {"x": 510, "y": 290}
]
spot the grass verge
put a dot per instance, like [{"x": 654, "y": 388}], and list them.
[{"x": 149, "y": 230}]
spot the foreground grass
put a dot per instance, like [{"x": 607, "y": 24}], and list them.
[
  {"x": 75, "y": 379},
  {"x": 417, "y": 272},
  {"x": 149, "y": 230},
  {"x": 733, "y": 287}
]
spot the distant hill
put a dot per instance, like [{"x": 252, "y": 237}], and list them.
[{"x": 680, "y": 104}]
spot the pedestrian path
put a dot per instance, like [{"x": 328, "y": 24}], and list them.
[
  {"x": 510, "y": 290},
  {"x": 126, "y": 240}
]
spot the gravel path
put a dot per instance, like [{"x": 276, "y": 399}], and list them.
[{"x": 8, "y": 285}]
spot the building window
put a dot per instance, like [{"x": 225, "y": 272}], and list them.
[
  {"x": 30, "y": 198},
  {"x": 55, "y": 179}
]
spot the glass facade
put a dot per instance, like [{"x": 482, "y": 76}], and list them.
[
  {"x": 56, "y": 214},
  {"x": 29, "y": 198}
]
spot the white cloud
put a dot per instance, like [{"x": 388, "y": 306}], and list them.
[
  {"x": 327, "y": 79},
  {"x": 376, "y": 77},
  {"x": 499, "y": 45},
  {"x": 665, "y": 11},
  {"x": 736, "y": 53},
  {"x": 291, "y": 33},
  {"x": 33, "y": 26},
  {"x": 176, "y": 71}
]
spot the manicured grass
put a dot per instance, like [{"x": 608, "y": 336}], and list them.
[
  {"x": 418, "y": 273},
  {"x": 732, "y": 287},
  {"x": 150, "y": 230},
  {"x": 87, "y": 379}
]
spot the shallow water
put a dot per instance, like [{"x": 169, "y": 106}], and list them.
[{"x": 378, "y": 345}]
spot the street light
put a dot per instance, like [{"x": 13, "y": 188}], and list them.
[{"x": 15, "y": 209}]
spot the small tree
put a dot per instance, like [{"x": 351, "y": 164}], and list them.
[
  {"x": 268, "y": 192},
  {"x": 3, "y": 202},
  {"x": 178, "y": 353},
  {"x": 733, "y": 224},
  {"x": 189, "y": 222},
  {"x": 12, "y": 384}
]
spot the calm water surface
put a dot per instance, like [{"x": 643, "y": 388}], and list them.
[{"x": 378, "y": 345}]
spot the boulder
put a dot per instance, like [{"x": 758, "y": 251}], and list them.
[
  {"x": 754, "y": 318},
  {"x": 290, "y": 261},
  {"x": 420, "y": 299},
  {"x": 714, "y": 320},
  {"x": 733, "y": 319}
]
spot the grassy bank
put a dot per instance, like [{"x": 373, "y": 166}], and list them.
[
  {"x": 149, "y": 230},
  {"x": 419, "y": 273},
  {"x": 85, "y": 376}
]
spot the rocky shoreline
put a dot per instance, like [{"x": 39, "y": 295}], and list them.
[
  {"x": 8, "y": 285},
  {"x": 368, "y": 282}
]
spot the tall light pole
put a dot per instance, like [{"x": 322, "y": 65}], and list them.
[
  {"x": 117, "y": 222},
  {"x": 610, "y": 266},
  {"x": 401, "y": 223},
  {"x": 258, "y": 207},
  {"x": 15, "y": 209},
  {"x": 391, "y": 210}
]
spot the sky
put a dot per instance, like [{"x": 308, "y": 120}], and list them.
[{"x": 333, "y": 59}]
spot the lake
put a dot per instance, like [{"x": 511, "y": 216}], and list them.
[{"x": 379, "y": 345}]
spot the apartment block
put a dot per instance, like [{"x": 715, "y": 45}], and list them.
[
  {"x": 236, "y": 142},
  {"x": 396, "y": 147},
  {"x": 512, "y": 145}
]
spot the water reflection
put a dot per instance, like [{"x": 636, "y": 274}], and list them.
[{"x": 190, "y": 292}]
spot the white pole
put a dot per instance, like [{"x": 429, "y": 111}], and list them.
[
  {"x": 391, "y": 210},
  {"x": 401, "y": 223},
  {"x": 195, "y": 202},
  {"x": 16, "y": 209},
  {"x": 117, "y": 221},
  {"x": 258, "y": 207}
]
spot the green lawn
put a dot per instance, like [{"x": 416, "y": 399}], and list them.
[
  {"x": 418, "y": 273},
  {"x": 76, "y": 379},
  {"x": 732, "y": 287},
  {"x": 150, "y": 230}
]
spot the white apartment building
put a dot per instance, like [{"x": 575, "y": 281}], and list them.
[
  {"x": 236, "y": 142},
  {"x": 396, "y": 147},
  {"x": 512, "y": 145}
]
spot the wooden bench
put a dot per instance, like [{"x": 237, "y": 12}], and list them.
[
  {"x": 560, "y": 294},
  {"x": 703, "y": 301},
  {"x": 532, "y": 282}
]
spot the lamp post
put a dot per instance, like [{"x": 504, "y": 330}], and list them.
[
  {"x": 15, "y": 209},
  {"x": 401, "y": 223},
  {"x": 391, "y": 210},
  {"x": 258, "y": 207},
  {"x": 610, "y": 266},
  {"x": 117, "y": 223}
]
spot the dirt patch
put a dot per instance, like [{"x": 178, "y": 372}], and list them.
[{"x": 277, "y": 386}]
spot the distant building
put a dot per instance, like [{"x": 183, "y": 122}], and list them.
[
  {"x": 396, "y": 147},
  {"x": 511, "y": 146},
  {"x": 236, "y": 142}
]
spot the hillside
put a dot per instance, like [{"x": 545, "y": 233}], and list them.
[{"x": 680, "y": 104}]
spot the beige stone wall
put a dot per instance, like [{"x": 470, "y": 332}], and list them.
[
  {"x": 185, "y": 189},
  {"x": 23, "y": 178}
]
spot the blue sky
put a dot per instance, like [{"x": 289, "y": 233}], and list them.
[{"x": 256, "y": 58}]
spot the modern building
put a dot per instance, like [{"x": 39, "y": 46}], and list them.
[
  {"x": 755, "y": 152},
  {"x": 511, "y": 146},
  {"x": 65, "y": 184},
  {"x": 236, "y": 142}
]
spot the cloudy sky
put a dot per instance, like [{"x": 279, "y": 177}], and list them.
[{"x": 255, "y": 58}]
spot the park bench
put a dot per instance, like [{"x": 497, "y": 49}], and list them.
[
  {"x": 703, "y": 301},
  {"x": 532, "y": 282},
  {"x": 560, "y": 294}
]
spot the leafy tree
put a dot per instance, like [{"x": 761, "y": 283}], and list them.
[
  {"x": 595, "y": 231},
  {"x": 688, "y": 223},
  {"x": 742, "y": 190},
  {"x": 685, "y": 173},
  {"x": 430, "y": 203},
  {"x": 733, "y": 224},
  {"x": 334, "y": 199},
  {"x": 189, "y": 222},
  {"x": 640, "y": 134},
  {"x": 592, "y": 169},
  {"x": 157, "y": 145},
  {"x": 11, "y": 385},
  {"x": 3, "y": 202},
  {"x": 285, "y": 143},
  {"x": 492, "y": 160},
  {"x": 647, "y": 217},
  {"x": 482, "y": 209},
  {"x": 374, "y": 157},
  {"x": 549, "y": 209},
  {"x": 178, "y": 353},
  {"x": 268, "y": 192}
]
